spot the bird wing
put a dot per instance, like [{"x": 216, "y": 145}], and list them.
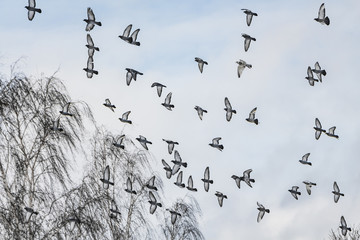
[
  {"x": 159, "y": 90},
  {"x": 336, "y": 198},
  {"x": 260, "y": 215},
  {"x": 127, "y": 30},
  {"x": 153, "y": 208},
  {"x": 294, "y": 195},
  {"x": 126, "y": 115},
  {"x": 295, "y": 188},
  {"x": 260, "y": 205},
  {"x": 89, "y": 40},
  {"x": 321, "y": 14},
  {"x": 206, "y": 186},
  {"x": 177, "y": 156},
  {"x": 252, "y": 114},
  {"x": 134, "y": 35},
  {"x": 91, "y": 15},
  {"x": 171, "y": 147},
  {"x": 343, "y": 222},
  {"x": 317, "y": 123},
  {"x": 220, "y": 200},
  {"x": 201, "y": 66},
  {"x": 107, "y": 101},
  {"x": 317, "y": 134},
  {"x": 237, "y": 180},
  {"x": 207, "y": 173},
  {"x": 66, "y": 107},
  {"x": 308, "y": 188},
  {"x": 309, "y": 72},
  {"x": 32, "y": 3},
  {"x": 129, "y": 184},
  {"x": 216, "y": 140},
  {"x": 179, "y": 177},
  {"x": 248, "y": 19},
  {"x": 336, "y": 187},
  {"x": 227, "y": 103},
  {"x": 107, "y": 173},
  {"x": 173, "y": 218},
  {"x": 152, "y": 197},
  {"x": 175, "y": 169},
  {"x": 164, "y": 163},
  {"x": 246, "y": 173},
  {"x": 152, "y": 181},
  {"x": 144, "y": 145},
  {"x": 168, "y": 98},
  {"x": 247, "y": 44},
  {"x": 317, "y": 66},
  {"x": 305, "y": 157},
  {"x": 228, "y": 116},
  {"x": 332, "y": 130},
  {"x": 190, "y": 182},
  {"x": 128, "y": 78},
  {"x": 240, "y": 69}
]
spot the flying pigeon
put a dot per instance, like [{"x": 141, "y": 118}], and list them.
[
  {"x": 343, "y": 226},
  {"x": 294, "y": 192},
  {"x": 32, "y": 9},
  {"x": 190, "y": 186},
  {"x": 207, "y": 180},
  {"x": 242, "y": 64},
  {"x": 106, "y": 178},
  {"x": 200, "y": 111},
  {"x": 228, "y": 109},
  {"x": 91, "y": 20},
  {"x": 310, "y": 77},
  {"x": 90, "y": 45},
  {"x": 143, "y": 141},
  {"x": 56, "y": 126},
  {"x": 167, "y": 169},
  {"x": 159, "y": 87},
  {"x": 246, "y": 178},
  {"x": 65, "y": 110},
  {"x": 118, "y": 142},
  {"x": 252, "y": 118},
  {"x": 318, "y": 71},
  {"x": 73, "y": 220},
  {"x": 200, "y": 63},
  {"x": 153, "y": 203},
  {"x": 114, "y": 210},
  {"x": 247, "y": 41},
  {"x": 31, "y": 211},
  {"x": 308, "y": 186},
  {"x": 331, "y": 132},
  {"x": 179, "y": 182},
  {"x": 171, "y": 145},
  {"x": 178, "y": 162},
  {"x": 151, "y": 184},
  {"x": 249, "y": 15},
  {"x": 109, "y": 105},
  {"x": 131, "y": 74},
  {"x": 304, "y": 159},
  {"x": 174, "y": 215},
  {"x": 129, "y": 187},
  {"x": 215, "y": 144},
  {"x": 336, "y": 192},
  {"x": 220, "y": 197},
  {"x": 167, "y": 103},
  {"x": 262, "y": 211},
  {"x": 322, "y": 18},
  {"x": 90, "y": 68},
  {"x": 124, "y": 117},
  {"x": 132, "y": 38},
  {"x": 318, "y": 129}
]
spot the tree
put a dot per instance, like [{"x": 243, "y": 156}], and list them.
[
  {"x": 354, "y": 234},
  {"x": 186, "y": 226}
]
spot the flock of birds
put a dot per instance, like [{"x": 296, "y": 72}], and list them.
[{"x": 177, "y": 162}]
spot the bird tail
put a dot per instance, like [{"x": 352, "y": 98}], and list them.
[
  {"x": 249, "y": 65},
  {"x": 98, "y": 23},
  {"x": 323, "y": 72},
  {"x": 159, "y": 204},
  {"x": 96, "y": 72},
  {"x": 38, "y": 10},
  {"x": 221, "y": 147},
  {"x": 252, "y": 180},
  {"x": 267, "y": 210},
  {"x": 137, "y": 44},
  {"x": 327, "y": 21},
  {"x": 184, "y": 164},
  {"x": 234, "y": 111},
  {"x": 111, "y": 183},
  {"x": 204, "y": 111},
  {"x": 256, "y": 121},
  {"x": 97, "y": 49},
  {"x": 211, "y": 181}
]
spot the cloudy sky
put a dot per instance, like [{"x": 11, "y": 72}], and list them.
[{"x": 172, "y": 33}]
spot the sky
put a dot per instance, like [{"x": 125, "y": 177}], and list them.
[{"x": 172, "y": 34}]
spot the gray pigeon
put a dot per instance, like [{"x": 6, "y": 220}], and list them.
[
  {"x": 106, "y": 178},
  {"x": 129, "y": 187},
  {"x": 114, "y": 210},
  {"x": 143, "y": 141},
  {"x": 322, "y": 18},
  {"x": 294, "y": 192},
  {"x": 331, "y": 132},
  {"x": 167, "y": 103},
  {"x": 131, "y": 74},
  {"x": 177, "y": 162},
  {"x": 153, "y": 203},
  {"x": 90, "y": 45},
  {"x": 215, "y": 144},
  {"x": 119, "y": 142},
  {"x": 200, "y": 63},
  {"x": 31, "y": 211},
  {"x": 109, "y": 105},
  {"x": 308, "y": 185},
  {"x": 171, "y": 145},
  {"x": 159, "y": 87},
  {"x": 246, "y": 178},
  {"x": 65, "y": 110},
  {"x": 179, "y": 182},
  {"x": 174, "y": 215},
  {"x": 310, "y": 77},
  {"x": 249, "y": 15},
  {"x": 200, "y": 111},
  {"x": 336, "y": 192},
  {"x": 91, "y": 20},
  {"x": 130, "y": 39},
  {"x": 228, "y": 109},
  {"x": 206, "y": 179},
  {"x": 167, "y": 169},
  {"x": 318, "y": 71},
  {"x": 151, "y": 184},
  {"x": 90, "y": 68},
  {"x": 252, "y": 118},
  {"x": 56, "y": 126},
  {"x": 220, "y": 197},
  {"x": 190, "y": 186},
  {"x": 305, "y": 160},
  {"x": 318, "y": 129},
  {"x": 124, "y": 118},
  {"x": 31, "y": 7},
  {"x": 247, "y": 41},
  {"x": 242, "y": 64},
  {"x": 344, "y": 228},
  {"x": 262, "y": 211}
]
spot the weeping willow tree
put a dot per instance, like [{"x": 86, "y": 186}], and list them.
[
  {"x": 354, "y": 234},
  {"x": 186, "y": 226},
  {"x": 37, "y": 145}
]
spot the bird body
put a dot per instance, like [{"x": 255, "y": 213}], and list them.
[
  {"x": 151, "y": 184},
  {"x": 65, "y": 110},
  {"x": 344, "y": 228},
  {"x": 174, "y": 215},
  {"x": 90, "y": 68}
]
